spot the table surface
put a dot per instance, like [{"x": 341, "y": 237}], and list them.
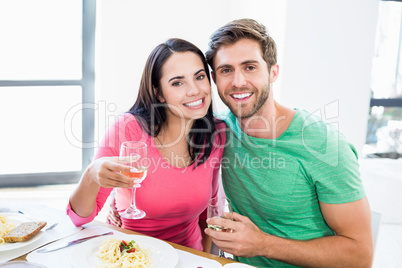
[{"x": 177, "y": 246}]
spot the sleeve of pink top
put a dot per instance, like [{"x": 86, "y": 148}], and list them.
[
  {"x": 77, "y": 220},
  {"x": 109, "y": 146}
]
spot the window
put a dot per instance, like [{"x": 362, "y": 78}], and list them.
[
  {"x": 384, "y": 134},
  {"x": 46, "y": 72}
]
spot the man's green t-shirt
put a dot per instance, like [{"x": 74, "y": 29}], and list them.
[{"x": 278, "y": 183}]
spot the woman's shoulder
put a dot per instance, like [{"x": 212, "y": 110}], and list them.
[
  {"x": 129, "y": 127},
  {"x": 126, "y": 118},
  {"x": 126, "y": 121}
]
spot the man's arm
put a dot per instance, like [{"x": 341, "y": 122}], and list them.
[{"x": 352, "y": 246}]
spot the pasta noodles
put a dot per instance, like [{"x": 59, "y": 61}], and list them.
[
  {"x": 5, "y": 227},
  {"x": 111, "y": 255}
]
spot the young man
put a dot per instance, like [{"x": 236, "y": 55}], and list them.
[{"x": 293, "y": 180}]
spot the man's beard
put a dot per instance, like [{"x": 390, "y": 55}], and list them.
[{"x": 241, "y": 113}]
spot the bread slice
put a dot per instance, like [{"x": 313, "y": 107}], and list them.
[{"x": 24, "y": 231}]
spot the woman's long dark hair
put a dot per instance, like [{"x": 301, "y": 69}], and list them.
[{"x": 151, "y": 113}]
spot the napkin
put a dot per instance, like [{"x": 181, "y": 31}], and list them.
[
  {"x": 189, "y": 260},
  {"x": 51, "y": 215},
  {"x": 62, "y": 258}
]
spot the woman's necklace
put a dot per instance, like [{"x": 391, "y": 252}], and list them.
[{"x": 160, "y": 143}]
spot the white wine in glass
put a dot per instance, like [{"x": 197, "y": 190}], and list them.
[
  {"x": 135, "y": 155},
  {"x": 220, "y": 207}
]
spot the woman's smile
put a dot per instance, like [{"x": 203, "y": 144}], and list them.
[{"x": 195, "y": 104}]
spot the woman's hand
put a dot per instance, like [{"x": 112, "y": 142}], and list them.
[
  {"x": 113, "y": 216},
  {"x": 107, "y": 172}
]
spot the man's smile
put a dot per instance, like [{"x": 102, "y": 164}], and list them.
[{"x": 241, "y": 96}]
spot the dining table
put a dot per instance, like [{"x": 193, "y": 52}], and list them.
[{"x": 65, "y": 231}]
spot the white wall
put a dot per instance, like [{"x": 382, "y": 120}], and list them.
[
  {"x": 128, "y": 30},
  {"x": 327, "y": 61},
  {"x": 324, "y": 50}
]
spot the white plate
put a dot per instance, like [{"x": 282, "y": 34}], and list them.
[
  {"x": 17, "y": 219},
  {"x": 237, "y": 265},
  {"x": 162, "y": 254},
  {"x": 21, "y": 264}
]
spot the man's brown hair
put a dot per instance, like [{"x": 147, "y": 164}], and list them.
[{"x": 240, "y": 29}]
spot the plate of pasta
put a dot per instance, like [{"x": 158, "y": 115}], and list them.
[
  {"x": 9, "y": 221},
  {"x": 123, "y": 250}
]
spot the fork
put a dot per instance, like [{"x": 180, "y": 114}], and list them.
[
  {"x": 29, "y": 215},
  {"x": 51, "y": 226}
]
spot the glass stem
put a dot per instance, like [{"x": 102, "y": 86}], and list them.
[
  {"x": 133, "y": 190},
  {"x": 221, "y": 253}
]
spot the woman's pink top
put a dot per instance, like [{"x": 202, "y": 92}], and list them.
[{"x": 174, "y": 199}]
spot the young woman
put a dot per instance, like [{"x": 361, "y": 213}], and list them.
[{"x": 173, "y": 116}]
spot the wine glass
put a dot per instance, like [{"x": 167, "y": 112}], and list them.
[
  {"x": 220, "y": 207},
  {"x": 135, "y": 155}
]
